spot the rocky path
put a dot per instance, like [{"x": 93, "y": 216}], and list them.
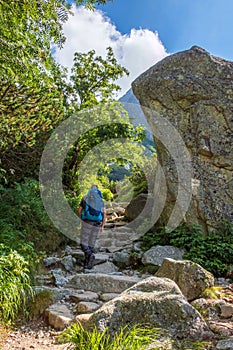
[
  {"x": 76, "y": 294},
  {"x": 38, "y": 336}
]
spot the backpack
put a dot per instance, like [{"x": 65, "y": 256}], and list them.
[{"x": 94, "y": 206}]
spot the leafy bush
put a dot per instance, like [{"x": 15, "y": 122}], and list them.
[
  {"x": 14, "y": 285},
  {"x": 23, "y": 219},
  {"x": 213, "y": 251},
  {"x": 107, "y": 194},
  {"x": 135, "y": 338}
]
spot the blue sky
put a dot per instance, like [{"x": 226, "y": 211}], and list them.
[
  {"x": 142, "y": 32},
  {"x": 180, "y": 23}
]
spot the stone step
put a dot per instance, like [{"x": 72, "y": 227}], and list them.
[
  {"x": 99, "y": 257},
  {"x": 116, "y": 240},
  {"x": 99, "y": 282},
  {"x": 59, "y": 316}
]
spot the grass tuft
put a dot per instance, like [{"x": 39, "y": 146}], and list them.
[{"x": 133, "y": 338}]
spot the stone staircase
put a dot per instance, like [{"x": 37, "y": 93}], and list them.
[
  {"x": 116, "y": 235},
  {"x": 75, "y": 294}
]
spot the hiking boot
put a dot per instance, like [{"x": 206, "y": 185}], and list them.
[
  {"x": 86, "y": 259},
  {"x": 91, "y": 261}
]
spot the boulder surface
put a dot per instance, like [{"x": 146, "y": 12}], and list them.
[
  {"x": 157, "y": 302},
  {"x": 193, "y": 91}
]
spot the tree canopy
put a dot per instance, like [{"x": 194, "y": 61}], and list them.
[{"x": 36, "y": 94}]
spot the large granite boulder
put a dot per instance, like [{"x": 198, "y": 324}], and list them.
[
  {"x": 136, "y": 206},
  {"x": 102, "y": 283},
  {"x": 193, "y": 91},
  {"x": 154, "y": 301},
  {"x": 191, "y": 278},
  {"x": 156, "y": 255}
]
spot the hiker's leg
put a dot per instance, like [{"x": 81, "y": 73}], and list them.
[
  {"x": 92, "y": 240},
  {"x": 84, "y": 242},
  {"x": 93, "y": 236}
]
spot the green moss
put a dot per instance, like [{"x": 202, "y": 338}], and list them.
[
  {"x": 39, "y": 303},
  {"x": 212, "y": 292}
]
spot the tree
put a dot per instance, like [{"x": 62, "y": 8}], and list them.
[
  {"x": 90, "y": 3},
  {"x": 33, "y": 95},
  {"x": 93, "y": 83},
  {"x": 29, "y": 29},
  {"x": 31, "y": 99},
  {"x": 93, "y": 78}
]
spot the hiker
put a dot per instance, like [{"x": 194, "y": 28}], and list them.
[{"x": 93, "y": 216}]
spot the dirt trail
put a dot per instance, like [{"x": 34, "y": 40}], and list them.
[{"x": 36, "y": 336}]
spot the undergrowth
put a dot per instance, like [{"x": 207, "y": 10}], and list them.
[
  {"x": 26, "y": 232},
  {"x": 213, "y": 251},
  {"x": 135, "y": 338},
  {"x": 24, "y": 221},
  {"x": 15, "y": 286}
]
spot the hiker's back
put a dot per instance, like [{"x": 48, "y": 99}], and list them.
[{"x": 94, "y": 206}]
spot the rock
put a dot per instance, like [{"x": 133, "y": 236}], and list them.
[
  {"x": 163, "y": 343},
  {"x": 68, "y": 250},
  {"x": 192, "y": 91},
  {"x": 102, "y": 283},
  {"x": 59, "y": 316},
  {"x": 86, "y": 307},
  {"x": 157, "y": 302},
  {"x": 78, "y": 255},
  {"x": 116, "y": 239},
  {"x": 101, "y": 258},
  {"x": 47, "y": 279},
  {"x": 136, "y": 206},
  {"x": 225, "y": 344},
  {"x": 107, "y": 267},
  {"x": 85, "y": 296},
  {"x": 108, "y": 296},
  {"x": 191, "y": 278},
  {"x": 82, "y": 318},
  {"x": 50, "y": 261},
  {"x": 157, "y": 254},
  {"x": 207, "y": 307},
  {"x": 57, "y": 293},
  {"x": 68, "y": 262},
  {"x": 226, "y": 310},
  {"x": 59, "y": 278},
  {"x": 121, "y": 257}
]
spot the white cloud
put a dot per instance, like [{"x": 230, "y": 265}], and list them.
[{"x": 87, "y": 30}]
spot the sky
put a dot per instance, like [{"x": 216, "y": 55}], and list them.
[{"x": 142, "y": 32}]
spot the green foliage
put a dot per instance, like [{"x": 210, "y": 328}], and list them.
[
  {"x": 213, "y": 251},
  {"x": 141, "y": 175},
  {"x": 213, "y": 292},
  {"x": 93, "y": 78},
  {"x": 15, "y": 286},
  {"x": 124, "y": 191},
  {"x": 92, "y": 152},
  {"x": 24, "y": 223},
  {"x": 31, "y": 101},
  {"x": 107, "y": 194},
  {"x": 93, "y": 84},
  {"x": 28, "y": 31},
  {"x": 118, "y": 172},
  {"x": 90, "y": 3},
  {"x": 135, "y": 338},
  {"x": 39, "y": 303}
]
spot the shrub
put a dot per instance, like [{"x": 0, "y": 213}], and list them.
[
  {"x": 15, "y": 285},
  {"x": 107, "y": 195},
  {"x": 24, "y": 219},
  {"x": 135, "y": 338},
  {"x": 213, "y": 251}
]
